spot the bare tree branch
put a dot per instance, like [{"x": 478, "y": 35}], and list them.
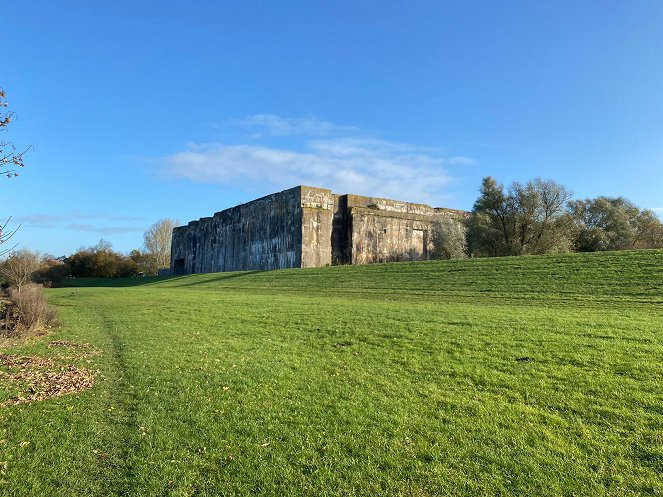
[
  {"x": 10, "y": 161},
  {"x": 5, "y": 236}
]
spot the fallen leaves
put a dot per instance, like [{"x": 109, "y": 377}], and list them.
[
  {"x": 17, "y": 361},
  {"x": 41, "y": 378},
  {"x": 84, "y": 349}
]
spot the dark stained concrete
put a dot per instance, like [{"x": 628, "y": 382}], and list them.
[{"x": 305, "y": 227}]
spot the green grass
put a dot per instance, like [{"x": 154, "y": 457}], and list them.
[{"x": 510, "y": 376}]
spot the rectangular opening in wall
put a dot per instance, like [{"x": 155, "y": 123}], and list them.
[{"x": 178, "y": 267}]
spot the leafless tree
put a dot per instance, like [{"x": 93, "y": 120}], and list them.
[
  {"x": 19, "y": 267},
  {"x": 5, "y": 235},
  {"x": 158, "y": 239},
  {"x": 10, "y": 161},
  {"x": 10, "y": 158}
]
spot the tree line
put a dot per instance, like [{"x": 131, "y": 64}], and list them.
[
  {"x": 542, "y": 217},
  {"x": 98, "y": 261},
  {"x": 537, "y": 217}
]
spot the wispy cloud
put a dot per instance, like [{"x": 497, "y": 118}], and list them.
[
  {"x": 104, "y": 216},
  {"x": 104, "y": 230},
  {"x": 98, "y": 222},
  {"x": 354, "y": 166},
  {"x": 41, "y": 220},
  {"x": 47, "y": 220},
  {"x": 271, "y": 124},
  {"x": 345, "y": 164}
]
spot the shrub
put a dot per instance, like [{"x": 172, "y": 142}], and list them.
[
  {"x": 28, "y": 311},
  {"x": 51, "y": 273},
  {"x": 449, "y": 239},
  {"x": 100, "y": 261}
]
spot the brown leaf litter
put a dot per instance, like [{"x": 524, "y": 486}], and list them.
[
  {"x": 85, "y": 349},
  {"x": 41, "y": 378},
  {"x": 17, "y": 361}
]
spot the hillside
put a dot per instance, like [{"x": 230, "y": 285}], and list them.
[
  {"x": 613, "y": 277},
  {"x": 509, "y": 376}
]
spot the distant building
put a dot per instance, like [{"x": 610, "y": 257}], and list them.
[{"x": 305, "y": 227}]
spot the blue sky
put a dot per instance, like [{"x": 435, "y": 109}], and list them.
[{"x": 142, "y": 110}]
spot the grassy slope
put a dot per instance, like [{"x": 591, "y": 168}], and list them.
[{"x": 396, "y": 379}]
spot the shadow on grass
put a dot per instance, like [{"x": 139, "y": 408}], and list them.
[
  {"x": 150, "y": 280},
  {"x": 220, "y": 277}
]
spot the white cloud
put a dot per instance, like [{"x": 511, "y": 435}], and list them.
[
  {"x": 271, "y": 124},
  {"x": 345, "y": 165},
  {"x": 104, "y": 223},
  {"x": 104, "y": 230},
  {"x": 41, "y": 220},
  {"x": 48, "y": 220}
]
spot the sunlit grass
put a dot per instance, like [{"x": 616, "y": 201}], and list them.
[{"x": 513, "y": 376}]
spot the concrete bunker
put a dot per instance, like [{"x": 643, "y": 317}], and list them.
[{"x": 305, "y": 227}]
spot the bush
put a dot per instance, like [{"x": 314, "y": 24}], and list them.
[
  {"x": 449, "y": 239},
  {"x": 28, "y": 311},
  {"x": 100, "y": 261},
  {"x": 51, "y": 273}
]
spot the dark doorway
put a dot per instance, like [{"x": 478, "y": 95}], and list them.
[{"x": 178, "y": 267}]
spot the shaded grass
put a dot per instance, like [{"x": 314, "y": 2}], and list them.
[{"x": 514, "y": 376}]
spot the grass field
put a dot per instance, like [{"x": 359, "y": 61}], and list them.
[{"x": 511, "y": 376}]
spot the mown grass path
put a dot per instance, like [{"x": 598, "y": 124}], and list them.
[{"x": 515, "y": 376}]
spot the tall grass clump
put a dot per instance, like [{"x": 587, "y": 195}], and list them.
[{"x": 27, "y": 311}]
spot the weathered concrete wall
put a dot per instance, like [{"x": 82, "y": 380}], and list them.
[
  {"x": 373, "y": 229},
  {"x": 305, "y": 227},
  {"x": 263, "y": 234},
  {"x": 317, "y": 205},
  {"x": 385, "y": 236},
  {"x": 385, "y": 204}
]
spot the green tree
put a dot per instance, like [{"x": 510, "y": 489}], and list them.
[
  {"x": 614, "y": 223},
  {"x": 100, "y": 261},
  {"x": 144, "y": 262},
  {"x": 51, "y": 272},
  {"x": 528, "y": 218}
]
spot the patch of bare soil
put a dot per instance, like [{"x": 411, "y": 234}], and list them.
[{"x": 41, "y": 378}]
